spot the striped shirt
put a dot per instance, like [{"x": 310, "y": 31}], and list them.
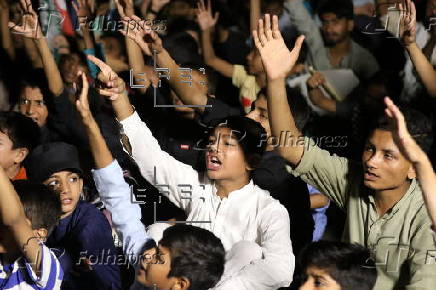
[{"x": 20, "y": 274}]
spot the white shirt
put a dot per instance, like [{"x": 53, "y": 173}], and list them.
[{"x": 248, "y": 214}]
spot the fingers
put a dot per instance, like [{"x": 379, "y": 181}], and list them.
[
  {"x": 256, "y": 40},
  {"x": 209, "y": 7},
  {"x": 76, "y": 8},
  {"x": 275, "y": 27},
  {"x": 215, "y": 18},
  {"x": 268, "y": 31},
  {"x": 298, "y": 45},
  {"x": 261, "y": 32},
  {"x": 98, "y": 62}
]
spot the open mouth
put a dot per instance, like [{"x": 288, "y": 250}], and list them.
[
  {"x": 370, "y": 176},
  {"x": 213, "y": 163},
  {"x": 67, "y": 201}
]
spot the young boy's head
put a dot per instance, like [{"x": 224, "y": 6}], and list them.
[
  {"x": 187, "y": 257},
  {"x": 42, "y": 208},
  {"x": 337, "y": 266},
  {"x": 18, "y": 136},
  {"x": 57, "y": 166},
  {"x": 384, "y": 165}
]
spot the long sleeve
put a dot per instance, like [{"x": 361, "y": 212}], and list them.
[
  {"x": 306, "y": 25},
  {"x": 277, "y": 265},
  {"x": 126, "y": 215},
  {"x": 332, "y": 175},
  {"x": 158, "y": 167}
]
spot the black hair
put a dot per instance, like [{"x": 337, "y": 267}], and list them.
[
  {"x": 22, "y": 130},
  {"x": 341, "y": 8},
  {"x": 418, "y": 124},
  {"x": 391, "y": 80},
  {"x": 182, "y": 47},
  {"x": 249, "y": 134},
  {"x": 196, "y": 254},
  {"x": 42, "y": 205},
  {"x": 297, "y": 104},
  {"x": 350, "y": 265},
  {"x": 36, "y": 79}
]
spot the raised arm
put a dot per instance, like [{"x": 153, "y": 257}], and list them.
[
  {"x": 255, "y": 13},
  {"x": 157, "y": 166},
  {"x": 278, "y": 61},
  {"x": 408, "y": 147},
  {"x": 423, "y": 67},
  {"x": 113, "y": 190},
  {"x": 207, "y": 23},
  {"x": 149, "y": 41},
  {"x": 134, "y": 52},
  {"x": 6, "y": 38},
  {"x": 12, "y": 217},
  {"x": 317, "y": 96},
  {"x": 31, "y": 29}
]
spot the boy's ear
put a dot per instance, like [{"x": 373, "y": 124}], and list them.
[
  {"x": 182, "y": 283},
  {"x": 20, "y": 155}
]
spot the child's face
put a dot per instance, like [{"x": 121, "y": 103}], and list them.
[
  {"x": 33, "y": 106},
  {"x": 69, "y": 185},
  {"x": 225, "y": 159},
  {"x": 319, "y": 279},
  {"x": 8, "y": 156},
  {"x": 154, "y": 269}
]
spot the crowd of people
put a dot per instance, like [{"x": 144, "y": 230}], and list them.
[{"x": 184, "y": 144}]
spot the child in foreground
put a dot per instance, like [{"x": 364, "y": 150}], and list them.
[
  {"x": 26, "y": 218},
  {"x": 337, "y": 266},
  {"x": 187, "y": 257}
]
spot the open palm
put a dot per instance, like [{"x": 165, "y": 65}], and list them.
[
  {"x": 277, "y": 60},
  {"x": 30, "y": 27}
]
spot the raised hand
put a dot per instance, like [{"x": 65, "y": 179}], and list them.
[
  {"x": 142, "y": 34},
  {"x": 30, "y": 27},
  {"x": 82, "y": 104},
  {"x": 401, "y": 135},
  {"x": 204, "y": 16},
  {"x": 112, "y": 85},
  {"x": 84, "y": 9},
  {"x": 157, "y": 5},
  {"x": 125, "y": 7},
  {"x": 277, "y": 60},
  {"x": 408, "y": 22}
]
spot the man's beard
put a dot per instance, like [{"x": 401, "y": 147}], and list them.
[{"x": 332, "y": 41}]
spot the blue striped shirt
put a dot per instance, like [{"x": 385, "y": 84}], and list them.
[{"x": 20, "y": 274}]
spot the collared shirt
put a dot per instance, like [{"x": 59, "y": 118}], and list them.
[
  {"x": 400, "y": 240},
  {"x": 249, "y": 213},
  {"x": 358, "y": 59},
  {"x": 20, "y": 275}
]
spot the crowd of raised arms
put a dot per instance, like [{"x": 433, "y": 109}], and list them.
[{"x": 217, "y": 144}]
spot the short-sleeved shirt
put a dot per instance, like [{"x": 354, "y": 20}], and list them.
[
  {"x": 248, "y": 87},
  {"x": 20, "y": 275},
  {"x": 401, "y": 240}
]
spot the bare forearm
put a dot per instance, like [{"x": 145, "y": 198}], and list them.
[
  {"x": 11, "y": 210},
  {"x": 7, "y": 43},
  {"x": 190, "y": 95},
  {"x": 318, "y": 201},
  {"x": 281, "y": 120},
  {"x": 211, "y": 59},
  {"x": 423, "y": 67},
  {"x": 100, "y": 151},
  {"x": 33, "y": 53},
  {"x": 137, "y": 64},
  {"x": 122, "y": 107},
  {"x": 254, "y": 13},
  {"x": 88, "y": 37},
  {"x": 319, "y": 100},
  {"x": 51, "y": 70}
]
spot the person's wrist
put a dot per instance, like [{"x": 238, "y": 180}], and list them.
[{"x": 410, "y": 46}]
